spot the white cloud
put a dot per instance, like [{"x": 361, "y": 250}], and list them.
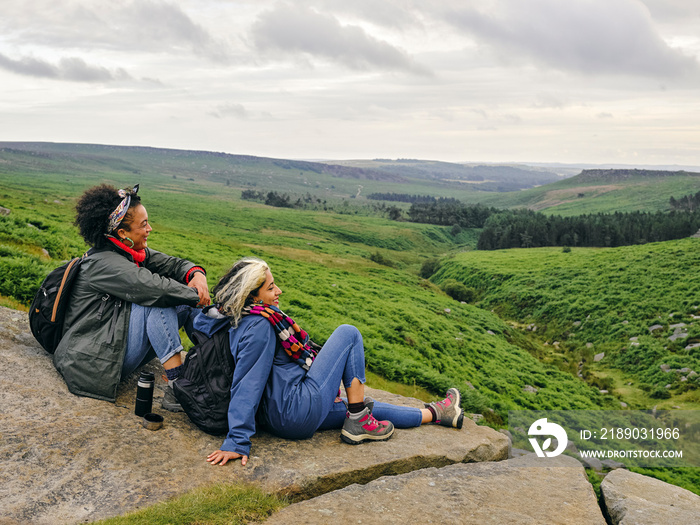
[
  {"x": 395, "y": 14},
  {"x": 540, "y": 80},
  {"x": 298, "y": 30},
  {"x": 587, "y": 36},
  {"x": 133, "y": 25}
]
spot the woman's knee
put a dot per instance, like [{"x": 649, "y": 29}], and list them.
[{"x": 349, "y": 331}]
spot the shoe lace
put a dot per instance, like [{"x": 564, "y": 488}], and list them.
[
  {"x": 443, "y": 403},
  {"x": 372, "y": 419}
]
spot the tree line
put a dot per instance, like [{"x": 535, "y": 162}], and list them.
[
  {"x": 529, "y": 229},
  {"x": 402, "y": 197},
  {"x": 450, "y": 212},
  {"x": 280, "y": 200},
  {"x": 686, "y": 203}
]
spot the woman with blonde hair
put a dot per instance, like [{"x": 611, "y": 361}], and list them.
[{"x": 292, "y": 383}]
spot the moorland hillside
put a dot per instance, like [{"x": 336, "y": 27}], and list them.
[
  {"x": 349, "y": 263},
  {"x": 601, "y": 191}
]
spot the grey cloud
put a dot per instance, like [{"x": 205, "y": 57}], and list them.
[
  {"x": 300, "y": 30},
  {"x": 141, "y": 25},
  {"x": 230, "y": 110},
  {"x": 512, "y": 118},
  {"x": 673, "y": 9},
  {"x": 548, "y": 101},
  {"x": 71, "y": 69},
  {"x": 589, "y": 36},
  {"x": 161, "y": 24}
]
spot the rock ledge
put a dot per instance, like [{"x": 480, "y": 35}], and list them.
[{"x": 68, "y": 459}]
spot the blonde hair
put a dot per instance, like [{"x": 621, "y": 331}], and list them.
[{"x": 234, "y": 289}]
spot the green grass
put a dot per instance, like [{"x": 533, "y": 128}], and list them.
[
  {"x": 381, "y": 383},
  {"x": 593, "y": 301},
  {"x": 418, "y": 340},
  {"x": 179, "y": 169},
  {"x": 222, "y": 504},
  {"x": 9, "y": 302},
  {"x": 574, "y": 196},
  {"x": 323, "y": 263},
  {"x": 595, "y": 479}
]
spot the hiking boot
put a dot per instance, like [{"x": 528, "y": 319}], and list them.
[
  {"x": 170, "y": 402},
  {"x": 363, "y": 428},
  {"x": 449, "y": 413}
]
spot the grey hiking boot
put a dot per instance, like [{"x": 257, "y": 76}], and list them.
[
  {"x": 449, "y": 413},
  {"x": 170, "y": 402},
  {"x": 364, "y": 427}
]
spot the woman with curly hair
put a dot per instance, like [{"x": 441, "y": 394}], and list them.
[
  {"x": 292, "y": 383},
  {"x": 128, "y": 301}
]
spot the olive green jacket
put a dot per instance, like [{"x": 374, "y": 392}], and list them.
[{"x": 91, "y": 352}]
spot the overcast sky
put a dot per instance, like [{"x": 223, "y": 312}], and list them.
[{"x": 575, "y": 81}]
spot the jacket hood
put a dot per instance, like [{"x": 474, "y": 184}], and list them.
[{"x": 209, "y": 321}]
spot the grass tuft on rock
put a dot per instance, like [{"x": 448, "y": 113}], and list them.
[{"x": 216, "y": 505}]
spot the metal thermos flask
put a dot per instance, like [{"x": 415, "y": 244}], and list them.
[{"x": 144, "y": 394}]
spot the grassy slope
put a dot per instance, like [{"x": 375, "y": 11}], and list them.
[
  {"x": 257, "y": 173},
  {"x": 592, "y": 301},
  {"x": 322, "y": 262},
  {"x": 601, "y": 298},
  {"x": 574, "y": 196}
]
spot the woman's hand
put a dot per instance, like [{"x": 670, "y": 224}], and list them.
[
  {"x": 199, "y": 283},
  {"x": 221, "y": 457}
]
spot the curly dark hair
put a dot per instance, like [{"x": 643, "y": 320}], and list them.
[{"x": 93, "y": 210}]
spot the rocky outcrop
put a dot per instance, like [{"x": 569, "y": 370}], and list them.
[
  {"x": 633, "y": 499},
  {"x": 513, "y": 492},
  {"x": 68, "y": 459}
]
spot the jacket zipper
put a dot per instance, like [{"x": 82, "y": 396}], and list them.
[{"x": 113, "y": 322}]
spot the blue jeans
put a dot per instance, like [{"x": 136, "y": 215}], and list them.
[
  {"x": 343, "y": 358},
  {"x": 154, "y": 332}
]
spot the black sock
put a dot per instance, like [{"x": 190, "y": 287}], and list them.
[
  {"x": 432, "y": 411},
  {"x": 173, "y": 373},
  {"x": 354, "y": 408}
]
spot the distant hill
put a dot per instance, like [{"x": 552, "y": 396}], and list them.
[
  {"x": 603, "y": 191},
  {"x": 330, "y": 178},
  {"x": 480, "y": 177},
  {"x": 182, "y": 160},
  {"x": 616, "y": 175},
  {"x": 503, "y": 186}
]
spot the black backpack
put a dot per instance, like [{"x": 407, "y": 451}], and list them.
[
  {"x": 49, "y": 305},
  {"x": 204, "y": 386}
]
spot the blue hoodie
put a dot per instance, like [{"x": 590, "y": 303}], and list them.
[{"x": 266, "y": 381}]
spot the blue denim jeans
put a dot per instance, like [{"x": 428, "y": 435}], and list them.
[
  {"x": 343, "y": 358},
  {"x": 154, "y": 332}
]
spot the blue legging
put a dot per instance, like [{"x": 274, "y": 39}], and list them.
[{"x": 343, "y": 358}]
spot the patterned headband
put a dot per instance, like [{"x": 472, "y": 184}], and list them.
[{"x": 117, "y": 216}]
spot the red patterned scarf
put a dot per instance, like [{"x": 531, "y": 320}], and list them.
[{"x": 295, "y": 341}]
